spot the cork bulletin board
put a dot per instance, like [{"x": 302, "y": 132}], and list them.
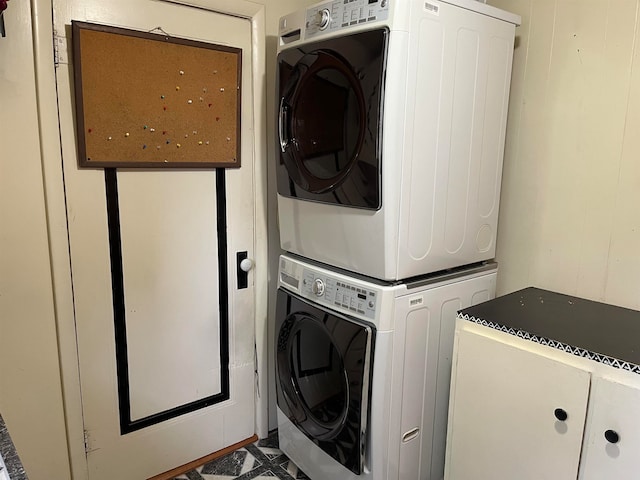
[{"x": 153, "y": 100}]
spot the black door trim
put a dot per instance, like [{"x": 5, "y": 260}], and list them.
[{"x": 119, "y": 311}]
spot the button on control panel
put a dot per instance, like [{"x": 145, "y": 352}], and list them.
[
  {"x": 340, "y": 14},
  {"x": 339, "y": 295}
]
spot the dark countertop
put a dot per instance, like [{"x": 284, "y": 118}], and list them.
[
  {"x": 601, "y": 332},
  {"x": 9, "y": 455}
]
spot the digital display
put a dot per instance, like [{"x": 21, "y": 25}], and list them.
[
  {"x": 288, "y": 279},
  {"x": 372, "y": 1},
  {"x": 362, "y": 296}
]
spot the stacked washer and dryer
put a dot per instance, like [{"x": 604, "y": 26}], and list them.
[{"x": 391, "y": 129}]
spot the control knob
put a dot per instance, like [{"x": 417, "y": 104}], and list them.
[
  {"x": 318, "y": 287},
  {"x": 323, "y": 17}
]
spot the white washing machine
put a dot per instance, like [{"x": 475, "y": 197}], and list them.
[
  {"x": 391, "y": 130},
  {"x": 363, "y": 368}
]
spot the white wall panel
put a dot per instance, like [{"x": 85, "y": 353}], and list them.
[
  {"x": 623, "y": 275},
  {"x": 30, "y": 390},
  {"x": 569, "y": 201}
]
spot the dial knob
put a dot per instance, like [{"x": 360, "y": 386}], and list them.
[
  {"x": 323, "y": 17},
  {"x": 318, "y": 287}
]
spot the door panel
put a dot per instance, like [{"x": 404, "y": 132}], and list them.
[
  {"x": 501, "y": 413},
  {"x": 613, "y": 407},
  {"x": 165, "y": 340},
  {"x": 170, "y": 272}
]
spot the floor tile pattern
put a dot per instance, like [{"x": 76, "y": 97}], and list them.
[{"x": 261, "y": 460}]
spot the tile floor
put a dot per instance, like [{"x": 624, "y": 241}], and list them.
[{"x": 260, "y": 460}]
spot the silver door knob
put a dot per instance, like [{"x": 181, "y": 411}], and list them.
[{"x": 246, "y": 264}]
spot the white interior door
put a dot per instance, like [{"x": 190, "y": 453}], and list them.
[{"x": 165, "y": 337}]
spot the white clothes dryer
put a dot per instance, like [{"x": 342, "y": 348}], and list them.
[
  {"x": 391, "y": 128},
  {"x": 363, "y": 368}
]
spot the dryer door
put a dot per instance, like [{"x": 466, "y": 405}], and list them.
[
  {"x": 323, "y": 374},
  {"x": 329, "y": 119}
]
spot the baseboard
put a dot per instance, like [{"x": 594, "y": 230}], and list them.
[{"x": 201, "y": 461}]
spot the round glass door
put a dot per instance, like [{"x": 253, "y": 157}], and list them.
[
  {"x": 313, "y": 375},
  {"x": 321, "y": 121}
]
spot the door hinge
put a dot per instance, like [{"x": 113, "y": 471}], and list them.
[{"x": 59, "y": 49}]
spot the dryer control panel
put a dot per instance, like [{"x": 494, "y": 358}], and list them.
[
  {"x": 338, "y": 14},
  {"x": 337, "y": 292}
]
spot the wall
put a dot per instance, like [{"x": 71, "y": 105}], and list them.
[
  {"x": 30, "y": 388},
  {"x": 569, "y": 218}
]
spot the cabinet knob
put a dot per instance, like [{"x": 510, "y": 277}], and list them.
[
  {"x": 560, "y": 414},
  {"x": 611, "y": 436}
]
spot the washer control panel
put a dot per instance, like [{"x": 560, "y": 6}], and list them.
[
  {"x": 338, "y": 14},
  {"x": 337, "y": 294}
]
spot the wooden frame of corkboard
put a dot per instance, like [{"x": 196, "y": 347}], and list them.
[{"x": 152, "y": 100}]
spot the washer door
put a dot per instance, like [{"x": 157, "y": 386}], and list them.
[
  {"x": 329, "y": 119},
  {"x": 323, "y": 374}
]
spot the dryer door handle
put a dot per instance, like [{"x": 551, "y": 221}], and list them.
[
  {"x": 283, "y": 124},
  {"x": 286, "y": 145}
]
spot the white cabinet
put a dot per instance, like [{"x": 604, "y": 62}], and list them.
[
  {"x": 521, "y": 410},
  {"x": 614, "y": 411}
]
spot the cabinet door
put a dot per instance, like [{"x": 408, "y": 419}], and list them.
[
  {"x": 614, "y": 411},
  {"x": 502, "y": 419}
]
